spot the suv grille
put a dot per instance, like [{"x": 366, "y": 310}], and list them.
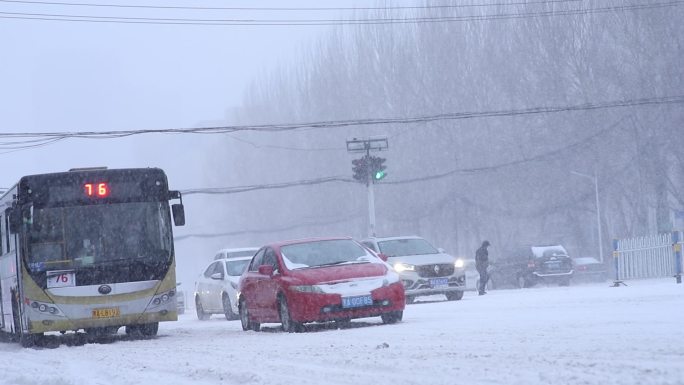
[{"x": 439, "y": 270}]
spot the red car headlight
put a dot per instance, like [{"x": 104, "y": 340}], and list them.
[{"x": 307, "y": 289}]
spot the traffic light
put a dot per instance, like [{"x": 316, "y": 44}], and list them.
[
  {"x": 360, "y": 169},
  {"x": 377, "y": 167},
  {"x": 369, "y": 168}
]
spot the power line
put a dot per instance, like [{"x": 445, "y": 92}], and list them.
[
  {"x": 549, "y": 154},
  {"x": 677, "y": 99},
  {"x": 240, "y": 189},
  {"x": 297, "y": 9},
  {"x": 268, "y": 231},
  {"x": 464, "y": 200},
  {"x": 24, "y": 145},
  {"x": 277, "y": 147},
  {"x": 328, "y": 22},
  {"x": 307, "y": 149},
  {"x": 307, "y": 182}
]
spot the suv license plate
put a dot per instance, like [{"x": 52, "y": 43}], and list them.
[
  {"x": 439, "y": 282},
  {"x": 553, "y": 265}
]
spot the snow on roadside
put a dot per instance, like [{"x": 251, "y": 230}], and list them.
[{"x": 591, "y": 334}]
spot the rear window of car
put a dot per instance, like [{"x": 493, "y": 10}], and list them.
[
  {"x": 554, "y": 253},
  {"x": 402, "y": 247}
]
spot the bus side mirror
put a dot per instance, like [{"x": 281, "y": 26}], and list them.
[
  {"x": 178, "y": 214},
  {"x": 174, "y": 194}
]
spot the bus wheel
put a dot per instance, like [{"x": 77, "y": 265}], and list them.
[
  {"x": 30, "y": 340},
  {"x": 149, "y": 330},
  {"x": 102, "y": 331},
  {"x": 144, "y": 330}
]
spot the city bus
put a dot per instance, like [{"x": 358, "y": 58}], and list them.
[{"x": 88, "y": 250}]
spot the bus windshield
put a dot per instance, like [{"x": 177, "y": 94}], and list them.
[{"x": 90, "y": 235}]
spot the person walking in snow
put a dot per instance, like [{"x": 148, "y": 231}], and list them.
[{"x": 481, "y": 264}]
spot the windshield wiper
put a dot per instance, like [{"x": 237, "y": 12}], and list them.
[{"x": 339, "y": 263}]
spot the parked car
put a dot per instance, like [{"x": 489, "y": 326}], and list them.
[
  {"x": 317, "y": 280},
  {"x": 216, "y": 288},
  {"x": 235, "y": 252},
  {"x": 589, "y": 269},
  {"x": 530, "y": 266},
  {"x": 424, "y": 269}
]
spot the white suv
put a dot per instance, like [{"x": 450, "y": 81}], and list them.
[
  {"x": 216, "y": 288},
  {"x": 423, "y": 269}
]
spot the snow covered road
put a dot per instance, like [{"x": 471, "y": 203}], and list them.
[{"x": 592, "y": 334}]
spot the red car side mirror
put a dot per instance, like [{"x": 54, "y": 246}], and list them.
[
  {"x": 266, "y": 270},
  {"x": 382, "y": 256}
]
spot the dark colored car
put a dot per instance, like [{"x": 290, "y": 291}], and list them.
[
  {"x": 537, "y": 264},
  {"x": 588, "y": 269},
  {"x": 317, "y": 280}
]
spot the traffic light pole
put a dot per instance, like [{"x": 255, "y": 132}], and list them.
[
  {"x": 371, "y": 207},
  {"x": 361, "y": 169}
]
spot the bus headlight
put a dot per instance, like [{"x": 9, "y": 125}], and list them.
[
  {"x": 44, "y": 307},
  {"x": 162, "y": 298}
]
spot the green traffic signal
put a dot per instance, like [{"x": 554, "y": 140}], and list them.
[{"x": 380, "y": 174}]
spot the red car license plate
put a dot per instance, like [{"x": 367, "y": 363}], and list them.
[{"x": 358, "y": 301}]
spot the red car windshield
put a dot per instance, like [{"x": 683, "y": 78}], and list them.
[{"x": 324, "y": 253}]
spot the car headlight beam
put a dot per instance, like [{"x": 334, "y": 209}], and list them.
[{"x": 401, "y": 267}]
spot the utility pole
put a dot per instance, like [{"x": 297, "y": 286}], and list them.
[
  {"x": 371, "y": 206},
  {"x": 368, "y": 169},
  {"x": 594, "y": 178}
]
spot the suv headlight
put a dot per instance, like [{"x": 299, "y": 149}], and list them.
[
  {"x": 402, "y": 267},
  {"x": 459, "y": 263}
]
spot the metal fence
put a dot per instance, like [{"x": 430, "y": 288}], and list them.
[{"x": 652, "y": 256}]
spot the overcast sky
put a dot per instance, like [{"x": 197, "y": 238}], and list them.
[
  {"x": 76, "y": 76},
  {"x": 81, "y": 76}
]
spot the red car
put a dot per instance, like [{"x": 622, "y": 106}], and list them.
[{"x": 317, "y": 280}]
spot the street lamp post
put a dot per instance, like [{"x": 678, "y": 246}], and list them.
[{"x": 594, "y": 178}]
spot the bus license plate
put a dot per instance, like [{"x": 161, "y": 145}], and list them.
[
  {"x": 106, "y": 312},
  {"x": 360, "y": 301},
  {"x": 439, "y": 282}
]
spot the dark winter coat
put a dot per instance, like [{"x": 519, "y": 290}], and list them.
[{"x": 481, "y": 258}]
